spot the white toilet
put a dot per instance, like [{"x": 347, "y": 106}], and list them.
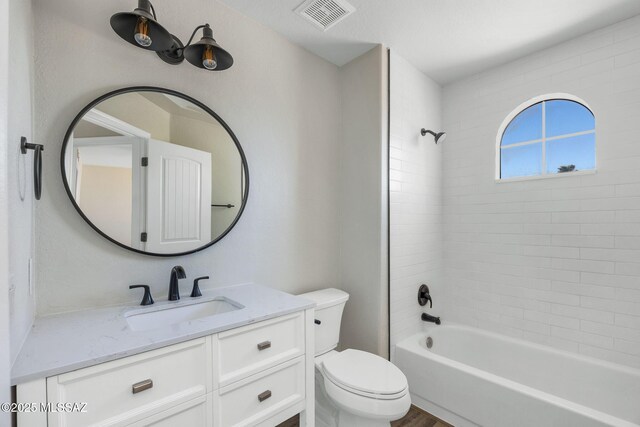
[{"x": 353, "y": 388}]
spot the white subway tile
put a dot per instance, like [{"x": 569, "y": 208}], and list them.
[
  {"x": 552, "y": 251},
  {"x": 610, "y": 355},
  {"x": 583, "y": 241},
  {"x": 617, "y": 281},
  {"x": 582, "y": 313},
  {"x": 628, "y": 269},
  {"x": 628, "y": 321},
  {"x": 584, "y": 289},
  {"x": 582, "y": 337},
  {"x": 623, "y": 307},
  {"x": 583, "y": 265},
  {"x": 628, "y": 347},
  {"x": 554, "y": 261},
  {"x": 610, "y": 330}
]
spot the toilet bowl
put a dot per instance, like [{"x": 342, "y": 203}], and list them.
[{"x": 353, "y": 388}]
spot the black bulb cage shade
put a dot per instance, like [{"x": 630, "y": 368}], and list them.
[
  {"x": 193, "y": 53},
  {"x": 168, "y": 47},
  {"x": 124, "y": 24}
]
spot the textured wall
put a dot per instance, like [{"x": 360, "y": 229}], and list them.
[
  {"x": 416, "y": 200},
  {"x": 5, "y": 340},
  {"x": 363, "y": 202},
  {"x": 20, "y": 170},
  {"x": 282, "y": 102},
  {"x": 554, "y": 261}
]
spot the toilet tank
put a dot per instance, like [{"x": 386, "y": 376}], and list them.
[{"x": 329, "y": 306}]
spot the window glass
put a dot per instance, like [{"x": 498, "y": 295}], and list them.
[
  {"x": 571, "y": 154},
  {"x": 523, "y": 160},
  {"x": 549, "y": 137},
  {"x": 526, "y": 126},
  {"x": 567, "y": 117}
]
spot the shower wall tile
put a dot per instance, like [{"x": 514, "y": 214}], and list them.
[
  {"x": 415, "y": 197},
  {"x": 552, "y": 261}
]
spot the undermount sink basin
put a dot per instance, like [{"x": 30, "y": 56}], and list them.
[{"x": 170, "y": 314}]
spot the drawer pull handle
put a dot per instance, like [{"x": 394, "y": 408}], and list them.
[
  {"x": 264, "y": 345},
  {"x": 264, "y": 395},
  {"x": 141, "y": 386},
  {"x": 317, "y": 321}
]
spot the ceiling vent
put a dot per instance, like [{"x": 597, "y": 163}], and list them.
[{"x": 324, "y": 14}]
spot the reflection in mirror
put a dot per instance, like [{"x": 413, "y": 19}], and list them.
[{"x": 155, "y": 172}]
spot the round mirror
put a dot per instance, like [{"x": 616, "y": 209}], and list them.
[{"x": 155, "y": 171}]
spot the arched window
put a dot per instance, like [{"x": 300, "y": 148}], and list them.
[{"x": 547, "y": 135}]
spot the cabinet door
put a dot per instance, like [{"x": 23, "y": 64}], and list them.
[{"x": 195, "y": 413}]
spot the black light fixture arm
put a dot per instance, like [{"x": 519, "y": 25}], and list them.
[
  {"x": 195, "y": 31},
  {"x": 146, "y": 9},
  {"x": 177, "y": 50},
  {"x": 153, "y": 11}
]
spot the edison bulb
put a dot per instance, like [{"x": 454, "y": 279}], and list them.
[
  {"x": 209, "y": 58},
  {"x": 142, "y": 32}
]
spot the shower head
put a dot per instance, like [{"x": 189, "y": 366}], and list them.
[{"x": 439, "y": 137}]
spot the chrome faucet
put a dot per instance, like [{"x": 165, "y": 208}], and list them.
[{"x": 177, "y": 272}]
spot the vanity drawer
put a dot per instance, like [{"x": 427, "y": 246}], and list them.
[
  {"x": 125, "y": 391},
  {"x": 197, "y": 412},
  {"x": 244, "y": 351},
  {"x": 250, "y": 401}
]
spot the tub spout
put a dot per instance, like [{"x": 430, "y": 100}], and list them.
[{"x": 428, "y": 318}]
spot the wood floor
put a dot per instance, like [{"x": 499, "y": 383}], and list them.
[
  {"x": 415, "y": 418},
  {"x": 291, "y": 422},
  {"x": 419, "y": 418}
]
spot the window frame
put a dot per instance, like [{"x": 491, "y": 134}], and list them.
[{"x": 531, "y": 102}]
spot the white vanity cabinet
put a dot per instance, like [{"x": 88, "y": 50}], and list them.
[{"x": 255, "y": 375}]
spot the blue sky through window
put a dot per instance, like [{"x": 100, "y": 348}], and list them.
[
  {"x": 565, "y": 117},
  {"x": 523, "y": 160},
  {"x": 526, "y": 126},
  {"x": 521, "y": 156},
  {"x": 579, "y": 151}
]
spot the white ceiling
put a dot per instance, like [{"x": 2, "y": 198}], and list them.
[{"x": 446, "y": 39}]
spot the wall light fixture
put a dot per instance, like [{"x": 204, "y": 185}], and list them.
[{"x": 141, "y": 29}]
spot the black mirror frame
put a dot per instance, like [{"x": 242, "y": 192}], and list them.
[{"x": 92, "y": 104}]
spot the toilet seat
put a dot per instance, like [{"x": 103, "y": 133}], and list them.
[
  {"x": 366, "y": 407},
  {"x": 365, "y": 374}
]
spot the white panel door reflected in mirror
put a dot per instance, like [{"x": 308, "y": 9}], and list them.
[{"x": 155, "y": 171}]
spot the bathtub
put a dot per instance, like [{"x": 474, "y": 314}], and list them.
[{"x": 474, "y": 378}]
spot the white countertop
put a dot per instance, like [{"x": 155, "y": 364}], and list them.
[{"x": 70, "y": 341}]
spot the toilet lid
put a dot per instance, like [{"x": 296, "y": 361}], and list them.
[{"x": 365, "y": 372}]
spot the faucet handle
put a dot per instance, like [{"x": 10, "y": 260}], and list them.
[
  {"x": 146, "y": 299},
  {"x": 423, "y": 296},
  {"x": 195, "y": 292}
]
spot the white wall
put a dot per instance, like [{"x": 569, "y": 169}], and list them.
[
  {"x": 5, "y": 341},
  {"x": 282, "y": 102},
  {"x": 415, "y": 195},
  {"x": 363, "y": 202},
  {"x": 555, "y": 261},
  {"x": 21, "y": 212}
]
